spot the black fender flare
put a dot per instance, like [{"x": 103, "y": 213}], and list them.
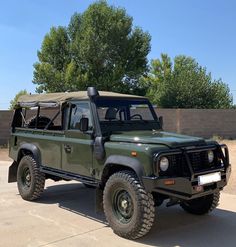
[
  {"x": 125, "y": 161},
  {"x": 33, "y": 149}
]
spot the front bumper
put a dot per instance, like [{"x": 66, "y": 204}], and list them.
[{"x": 185, "y": 188}]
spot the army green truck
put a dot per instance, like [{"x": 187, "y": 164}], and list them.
[{"x": 116, "y": 144}]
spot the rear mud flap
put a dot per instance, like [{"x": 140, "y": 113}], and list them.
[{"x": 12, "y": 172}]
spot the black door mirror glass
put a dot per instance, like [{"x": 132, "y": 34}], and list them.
[{"x": 83, "y": 124}]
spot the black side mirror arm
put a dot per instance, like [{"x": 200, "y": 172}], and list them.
[{"x": 160, "y": 119}]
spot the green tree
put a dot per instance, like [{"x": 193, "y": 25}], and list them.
[
  {"x": 185, "y": 84},
  {"x": 14, "y": 101},
  {"x": 99, "y": 47}
]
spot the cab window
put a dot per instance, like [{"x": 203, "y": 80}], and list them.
[{"x": 79, "y": 110}]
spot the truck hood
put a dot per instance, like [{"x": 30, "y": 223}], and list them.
[{"x": 172, "y": 140}]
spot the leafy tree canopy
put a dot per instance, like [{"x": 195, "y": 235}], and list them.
[
  {"x": 183, "y": 83},
  {"x": 98, "y": 48},
  {"x": 14, "y": 101}
]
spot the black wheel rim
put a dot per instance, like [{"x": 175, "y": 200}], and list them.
[
  {"x": 26, "y": 178},
  {"x": 123, "y": 206}
]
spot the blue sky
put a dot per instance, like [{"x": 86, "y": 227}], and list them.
[{"x": 202, "y": 29}]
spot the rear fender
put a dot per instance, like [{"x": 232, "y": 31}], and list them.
[
  {"x": 28, "y": 148},
  {"x": 24, "y": 149}
]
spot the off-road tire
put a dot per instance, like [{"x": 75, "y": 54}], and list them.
[
  {"x": 30, "y": 181},
  {"x": 141, "y": 202},
  {"x": 202, "y": 205}
]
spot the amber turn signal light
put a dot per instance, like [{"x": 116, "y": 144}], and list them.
[
  {"x": 169, "y": 182},
  {"x": 133, "y": 153}
]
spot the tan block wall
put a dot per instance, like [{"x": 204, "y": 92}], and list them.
[
  {"x": 209, "y": 122},
  {"x": 5, "y": 120},
  {"x": 200, "y": 122},
  {"x": 170, "y": 119},
  {"x": 196, "y": 122}
]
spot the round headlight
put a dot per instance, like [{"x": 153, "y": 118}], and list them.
[
  {"x": 210, "y": 156},
  {"x": 164, "y": 164}
]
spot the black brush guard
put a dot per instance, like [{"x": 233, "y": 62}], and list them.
[{"x": 184, "y": 186}]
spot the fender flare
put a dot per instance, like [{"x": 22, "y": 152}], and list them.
[
  {"x": 12, "y": 171},
  {"x": 33, "y": 149},
  {"x": 125, "y": 161}
]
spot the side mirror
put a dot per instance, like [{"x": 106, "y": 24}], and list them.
[
  {"x": 83, "y": 124},
  {"x": 160, "y": 119}
]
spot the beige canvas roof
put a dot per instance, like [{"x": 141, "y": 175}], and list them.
[{"x": 56, "y": 99}]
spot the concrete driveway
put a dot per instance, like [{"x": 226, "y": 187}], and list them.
[{"x": 65, "y": 216}]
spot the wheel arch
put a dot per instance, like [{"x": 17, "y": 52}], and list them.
[
  {"x": 24, "y": 149},
  {"x": 115, "y": 163},
  {"x": 28, "y": 148}
]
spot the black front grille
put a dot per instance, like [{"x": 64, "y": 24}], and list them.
[
  {"x": 198, "y": 161},
  {"x": 179, "y": 165}
]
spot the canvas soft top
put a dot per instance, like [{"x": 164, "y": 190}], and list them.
[{"x": 57, "y": 99}]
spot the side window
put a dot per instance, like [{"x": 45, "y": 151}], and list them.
[{"x": 79, "y": 110}]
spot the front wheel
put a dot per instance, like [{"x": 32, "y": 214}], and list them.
[
  {"x": 129, "y": 209},
  {"x": 202, "y": 205},
  {"x": 30, "y": 180}
]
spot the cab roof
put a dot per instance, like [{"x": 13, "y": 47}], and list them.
[{"x": 57, "y": 99}]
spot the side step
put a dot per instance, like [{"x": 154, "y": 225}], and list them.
[{"x": 69, "y": 175}]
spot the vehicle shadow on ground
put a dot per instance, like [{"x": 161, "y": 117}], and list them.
[
  {"x": 74, "y": 197},
  {"x": 173, "y": 227}
]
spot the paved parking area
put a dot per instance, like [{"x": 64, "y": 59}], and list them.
[{"x": 65, "y": 216}]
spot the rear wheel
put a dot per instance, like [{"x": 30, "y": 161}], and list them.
[
  {"x": 30, "y": 180},
  {"x": 129, "y": 209},
  {"x": 202, "y": 205}
]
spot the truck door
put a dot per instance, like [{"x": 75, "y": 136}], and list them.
[{"x": 77, "y": 146}]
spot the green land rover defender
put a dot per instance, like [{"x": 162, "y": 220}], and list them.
[{"x": 114, "y": 143}]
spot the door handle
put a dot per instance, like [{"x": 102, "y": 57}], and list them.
[{"x": 67, "y": 148}]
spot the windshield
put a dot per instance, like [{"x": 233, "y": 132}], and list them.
[{"x": 126, "y": 114}]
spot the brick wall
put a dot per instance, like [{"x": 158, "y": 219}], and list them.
[
  {"x": 170, "y": 119},
  {"x": 200, "y": 122},
  {"x": 5, "y": 120},
  {"x": 197, "y": 122}
]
